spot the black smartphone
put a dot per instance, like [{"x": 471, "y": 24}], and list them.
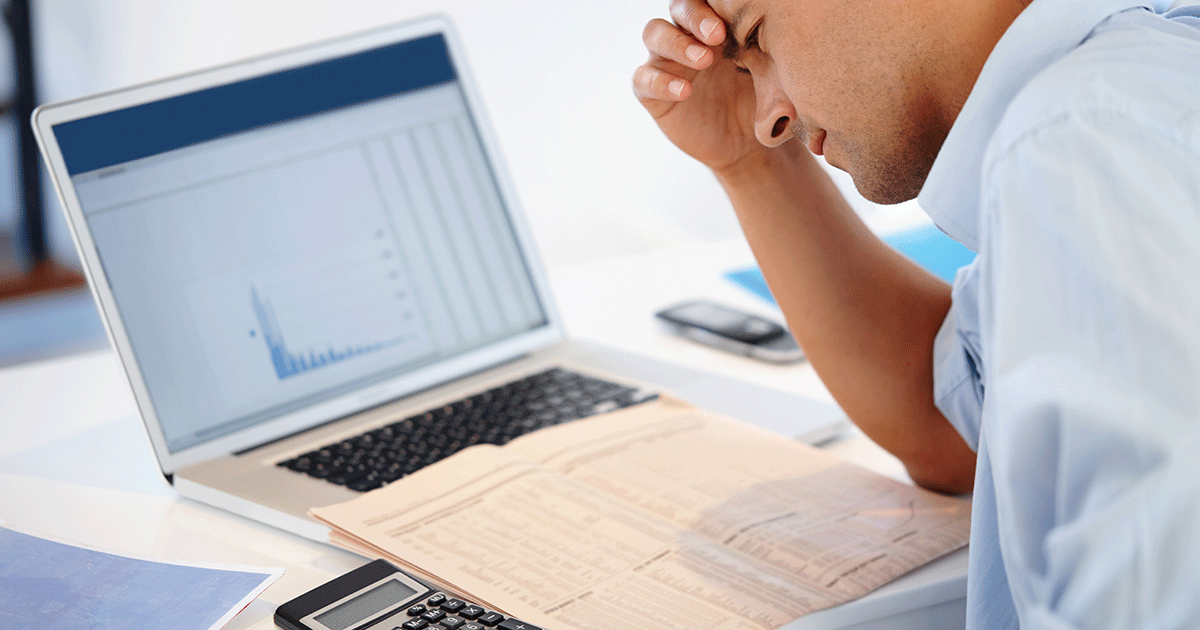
[{"x": 732, "y": 330}]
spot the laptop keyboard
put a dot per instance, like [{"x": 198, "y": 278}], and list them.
[{"x": 381, "y": 456}]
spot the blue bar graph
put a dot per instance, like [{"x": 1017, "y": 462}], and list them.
[{"x": 288, "y": 363}]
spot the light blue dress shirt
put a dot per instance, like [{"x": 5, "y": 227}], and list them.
[{"x": 1070, "y": 359}]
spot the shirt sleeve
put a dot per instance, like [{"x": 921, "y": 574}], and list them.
[
  {"x": 957, "y": 379},
  {"x": 1092, "y": 315}
]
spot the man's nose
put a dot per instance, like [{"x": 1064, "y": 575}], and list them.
[{"x": 775, "y": 113}]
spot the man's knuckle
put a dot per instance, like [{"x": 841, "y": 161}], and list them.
[
  {"x": 648, "y": 31},
  {"x": 639, "y": 80},
  {"x": 657, "y": 35},
  {"x": 643, "y": 81},
  {"x": 684, "y": 12}
]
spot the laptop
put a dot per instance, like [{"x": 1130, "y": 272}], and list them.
[{"x": 315, "y": 273}]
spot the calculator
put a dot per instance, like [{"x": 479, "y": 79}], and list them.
[{"x": 379, "y": 596}]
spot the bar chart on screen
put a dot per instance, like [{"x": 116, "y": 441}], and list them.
[
  {"x": 289, "y": 362},
  {"x": 311, "y": 315},
  {"x": 302, "y": 281}
]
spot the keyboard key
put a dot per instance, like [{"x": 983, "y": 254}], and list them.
[
  {"x": 365, "y": 485},
  {"x": 451, "y": 623}
]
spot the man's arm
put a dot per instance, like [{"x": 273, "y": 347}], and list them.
[{"x": 865, "y": 315}]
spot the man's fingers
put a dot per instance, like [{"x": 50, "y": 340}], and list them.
[
  {"x": 665, "y": 40},
  {"x": 677, "y": 52},
  {"x": 651, "y": 83},
  {"x": 697, "y": 18}
]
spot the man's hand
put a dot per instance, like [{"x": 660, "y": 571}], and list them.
[{"x": 699, "y": 99}]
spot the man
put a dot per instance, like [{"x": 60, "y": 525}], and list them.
[{"x": 1060, "y": 377}]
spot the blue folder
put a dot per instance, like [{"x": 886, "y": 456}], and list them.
[{"x": 926, "y": 245}]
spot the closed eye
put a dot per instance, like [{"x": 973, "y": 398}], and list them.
[
  {"x": 739, "y": 51},
  {"x": 733, "y": 47},
  {"x": 752, "y": 37}
]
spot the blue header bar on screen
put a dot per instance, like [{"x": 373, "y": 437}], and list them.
[{"x": 136, "y": 132}]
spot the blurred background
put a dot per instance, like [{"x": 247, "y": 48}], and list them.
[{"x": 595, "y": 177}]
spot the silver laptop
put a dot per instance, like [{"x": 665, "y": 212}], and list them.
[{"x": 309, "y": 260}]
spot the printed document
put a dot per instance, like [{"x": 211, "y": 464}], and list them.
[{"x": 658, "y": 516}]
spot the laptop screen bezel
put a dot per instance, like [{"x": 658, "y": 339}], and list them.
[{"x": 46, "y": 117}]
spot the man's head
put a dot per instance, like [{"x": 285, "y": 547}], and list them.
[{"x": 874, "y": 85}]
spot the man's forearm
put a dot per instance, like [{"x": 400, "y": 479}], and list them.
[{"x": 865, "y": 315}]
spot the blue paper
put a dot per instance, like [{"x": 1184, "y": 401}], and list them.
[
  {"x": 46, "y": 585},
  {"x": 752, "y": 280},
  {"x": 927, "y": 246}
]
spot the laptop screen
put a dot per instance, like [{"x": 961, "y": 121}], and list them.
[{"x": 283, "y": 240}]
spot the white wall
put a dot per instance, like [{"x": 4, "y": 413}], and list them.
[{"x": 595, "y": 176}]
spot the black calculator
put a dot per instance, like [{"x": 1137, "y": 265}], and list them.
[{"x": 379, "y": 596}]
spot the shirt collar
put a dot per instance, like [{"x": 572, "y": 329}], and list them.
[{"x": 1045, "y": 31}]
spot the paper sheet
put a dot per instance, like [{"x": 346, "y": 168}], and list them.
[
  {"x": 49, "y": 585},
  {"x": 660, "y": 516}
]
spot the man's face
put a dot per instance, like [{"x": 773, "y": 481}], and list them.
[{"x": 851, "y": 80}]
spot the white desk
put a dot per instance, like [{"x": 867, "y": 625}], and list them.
[{"x": 75, "y": 465}]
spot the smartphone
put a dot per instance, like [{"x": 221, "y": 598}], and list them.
[{"x": 732, "y": 330}]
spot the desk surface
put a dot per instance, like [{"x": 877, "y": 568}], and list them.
[{"x": 75, "y": 464}]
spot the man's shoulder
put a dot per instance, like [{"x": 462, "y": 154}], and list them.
[{"x": 1137, "y": 66}]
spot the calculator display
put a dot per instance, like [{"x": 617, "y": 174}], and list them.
[{"x": 350, "y": 613}]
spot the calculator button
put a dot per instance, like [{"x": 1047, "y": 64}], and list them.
[
  {"x": 435, "y": 600},
  {"x": 454, "y": 605},
  {"x": 471, "y": 611},
  {"x": 491, "y": 619},
  {"x": 452, "y": 623},
  {"x": 471, "y": 625},
  {"x": 416, "y": 610},
  {"x": 513, "y": 624},
  {"x": 433, "y": 615},
  {"x": 414, "y": 624}
]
